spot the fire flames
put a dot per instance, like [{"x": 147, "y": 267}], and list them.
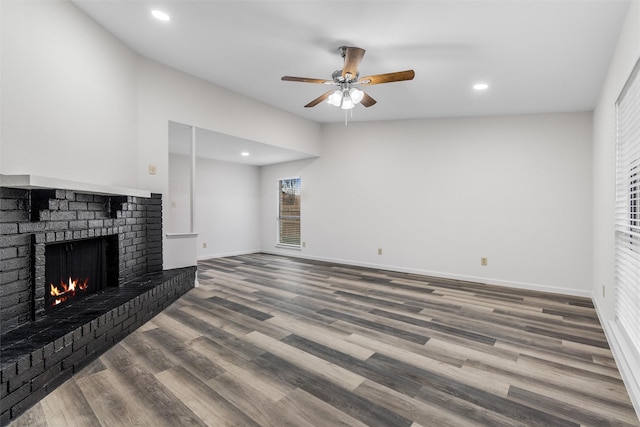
[{"x": 67, "y": 290}]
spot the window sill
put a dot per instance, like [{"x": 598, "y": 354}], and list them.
[
  {"x": 181, "y": 235},
  {"x": 286, "y": 246}
]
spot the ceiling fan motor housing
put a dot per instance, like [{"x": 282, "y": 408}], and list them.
[{"x": 339, "y": 79}]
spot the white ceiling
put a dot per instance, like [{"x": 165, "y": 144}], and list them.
[{"x": 537, "y": 56}]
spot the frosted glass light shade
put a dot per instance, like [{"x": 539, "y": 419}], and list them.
[
  {"x": 356, "y": 95},
  {"x": 347, "y": 103},
  {"x": 335, "y": 98}
]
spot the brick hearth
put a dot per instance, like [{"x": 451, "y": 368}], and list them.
[{"x": 38, "y": 350}]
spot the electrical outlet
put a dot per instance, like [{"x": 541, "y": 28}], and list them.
[
  {"x": 483, "y": 261},
  {"x": 379, "y": 251},
  {"x": 152, "y": 169},
  {"x": 204, "y": 245}
]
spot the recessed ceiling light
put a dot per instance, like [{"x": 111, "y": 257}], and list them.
[
  {"x": 480, "y": 86},
  {"x": 244, "y": 153},
  {"x": 162, "y": 16}
]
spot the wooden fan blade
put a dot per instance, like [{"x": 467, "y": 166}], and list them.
[
  {"x": 305, "y": 80},
  {"x": 367, "y": 101},
  {"x": 319, "y": 99},
  {"x": 352, "y": 58},
  {"x": 388, "y": 78}
]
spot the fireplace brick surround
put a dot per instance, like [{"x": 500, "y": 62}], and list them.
[{"x": 39, "y": 351}]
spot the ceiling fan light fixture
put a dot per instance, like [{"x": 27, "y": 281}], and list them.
[
  {"x": 346, "y": 96},
  {"x": 347, "y": 102},
  {"x": 335, "y": 98},
  {"x": 356, "y": 95}
]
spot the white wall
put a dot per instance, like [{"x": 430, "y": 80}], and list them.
[
  {"x": 437, "y": 195},
  {"x": 167, "y": 95},
  {"x": 227, "y": 208},
  {"x": 179, "y": 195},
  {"x": 604, "y": 150},
  {"x": 227, "y": 205},
  {"x": 68, "y": 96}
]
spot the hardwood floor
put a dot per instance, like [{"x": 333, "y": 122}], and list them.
[{"x": 275, "y": 341}]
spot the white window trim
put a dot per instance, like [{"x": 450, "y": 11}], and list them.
[
  {"x": 278, "y": 243},
  {"x": 627, "y": 238}
]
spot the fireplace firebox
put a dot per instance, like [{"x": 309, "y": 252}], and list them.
[{"x": 78, "y": 268}]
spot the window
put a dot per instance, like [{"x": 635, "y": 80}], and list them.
[
  {"x": 627, "y": 244},
  {"x": 289, "y": 212}
]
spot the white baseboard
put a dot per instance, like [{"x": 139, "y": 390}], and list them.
[
  {"x": 485, "y": 280},
  {"x": 626, "y": 359}
]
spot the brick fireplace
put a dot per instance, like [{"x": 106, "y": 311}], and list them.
[{"x": 41, "y": 347}]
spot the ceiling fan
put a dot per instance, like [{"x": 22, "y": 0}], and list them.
[{"x": 347, "y": 95}]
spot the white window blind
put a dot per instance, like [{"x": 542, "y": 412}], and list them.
[
  {"x": 627, "y": 209},
  {"x": 289, "y": 211}
]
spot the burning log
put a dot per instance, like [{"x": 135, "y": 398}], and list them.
[{"x": 67, "y": 290}]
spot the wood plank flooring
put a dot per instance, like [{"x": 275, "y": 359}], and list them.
[{"x": 276, "y": 341}]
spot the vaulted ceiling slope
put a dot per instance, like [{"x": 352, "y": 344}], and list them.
[{"x": 536, "y": 56}]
